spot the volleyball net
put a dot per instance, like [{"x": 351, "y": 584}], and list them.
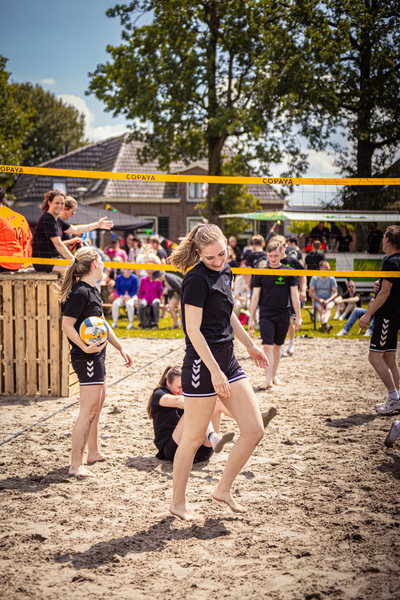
[{"x": 296, "y": 214}]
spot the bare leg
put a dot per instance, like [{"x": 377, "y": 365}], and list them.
[
  {"x": 198, "y": 413},
  {"x": 90, "y": 397},
  {"x": 172, "y": 305},
  {"x": 94, "y": 453},
  {"x": 277, "y": 358},
  {"x": 59, "y": 268},
  {"x": 391, "y": 361},
  {"x": 380, "y": 361},
  {"x": 243, "y": 406},
  {"x": 269, "y": 351}
]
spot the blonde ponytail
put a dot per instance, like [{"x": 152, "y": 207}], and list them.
[
  {"x": 79, "y": 266},
  {"x": 186, "y": 255}
]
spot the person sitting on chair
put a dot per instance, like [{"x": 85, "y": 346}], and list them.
[{"x": 150, "y": 293}]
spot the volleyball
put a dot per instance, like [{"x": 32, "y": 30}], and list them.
[{"x": 94, "y": 329}]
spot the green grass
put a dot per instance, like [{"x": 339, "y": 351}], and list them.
[{"x": 164, "y": 332}]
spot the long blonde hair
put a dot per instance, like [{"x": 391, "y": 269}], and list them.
[
  {"x": 169, "y": 375},
  {"x": 186, "y": 255},
  {"x": 79, "y": 266}
]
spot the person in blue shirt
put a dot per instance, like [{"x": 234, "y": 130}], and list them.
[{"x": 126, "y": 286}]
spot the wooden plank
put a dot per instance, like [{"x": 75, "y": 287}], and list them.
[
  {"x": 28, "y": 277},
  {"x": 74, "y": 389},
  {"x": 8, "y": 332},
  {"x": 31, "y": 337},
  {"x": 73, "y": 378},
  {"x": 65, "y": 365},
  {"x": 54, "y": 340},
  {"x": 19, "y": 311},
  {"x": 42, "y": 311}
]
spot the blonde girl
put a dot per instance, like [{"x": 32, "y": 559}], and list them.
[
  {"x": 80, "y": 300},
  {"x": 210, "y": 368}
]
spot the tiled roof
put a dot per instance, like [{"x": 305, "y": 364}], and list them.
[{"x": 118, "y": 155}]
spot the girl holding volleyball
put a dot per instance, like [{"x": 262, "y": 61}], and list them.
[
  {"x": 210, "y": 368},
  {"x": 81, "y": 300}
]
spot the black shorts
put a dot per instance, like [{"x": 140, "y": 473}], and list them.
[
  {"x": 169, "y": 449},
  {"x": 90, "y": 370},
  {"x": 273, "y": 330},
  {"x": 43, "y": 268},
  {"x": 384, "y": 336},
  {"x": 196, "y": 378}
]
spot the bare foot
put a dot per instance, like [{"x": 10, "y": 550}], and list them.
[
  {"x": 80, "y": 471},
  {"x": 224, "y": 439},
  {"x": 268, "y": 415},
  {"x": 266, "y": 386},
  {"x": 96, "y": 457},
  {"x": 277, "y": 381},
  {"x": 227, "y": 498},
  {"x": 183, "y": 511}
]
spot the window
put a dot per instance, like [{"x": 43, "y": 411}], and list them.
[
  {"x": 163, "y": 226},
  {"x": 60, "y": 185},
  {"x": 195, "y": 192},
  {"x": 192, "y": 222}
]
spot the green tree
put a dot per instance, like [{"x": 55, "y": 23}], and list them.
[
  {"x": 357, "y": 44},
  {"x": 14, "y": 125},
  {"x": 206, "y": 73},
  {"x": 55, "y": 128}
]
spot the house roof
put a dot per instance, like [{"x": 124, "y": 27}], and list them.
[{"x": 118, "y": 155}]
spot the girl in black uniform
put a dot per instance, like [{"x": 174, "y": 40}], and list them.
[
  {"x": 82, "y": 300},
  {"x": 210, "y": 367},
  {"x": 166, "y": 408}
]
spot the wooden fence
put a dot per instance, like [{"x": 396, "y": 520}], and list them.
[{"x": 34, "y": 353}]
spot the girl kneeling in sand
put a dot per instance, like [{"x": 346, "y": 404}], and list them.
[
  {"x": 210, "y": 367},
  {"x": 82, "y": 300},
  {"x": 166, "y": 408}
]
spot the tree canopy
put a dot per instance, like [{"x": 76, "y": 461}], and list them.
[{"x": 204, "y": 73}]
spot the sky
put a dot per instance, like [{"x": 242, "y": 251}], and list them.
[{"x": 56, "y": 44}]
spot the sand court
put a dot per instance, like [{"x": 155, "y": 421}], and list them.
[{"x": 322, "y": 493}]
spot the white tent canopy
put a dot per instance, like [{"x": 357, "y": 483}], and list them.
[{"x": 319, "y": 215}]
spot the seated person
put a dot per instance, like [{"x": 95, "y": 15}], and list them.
[
  {"x": 113, "y": 251},
  {"x": 323, "y": 290},
  {"x": 241, "y": 293},
  {"x": 147, "y": 256},
  {"x": 355, "y": 315},
  {"x": 347, "y": 303},
  {"x": 126, "y": 286},
  {"x": 166, "y": 408},
  {"x": 150, "y": 293},
  {"x": 173, "y": 286},
  {"x": 9, "y": 246}
]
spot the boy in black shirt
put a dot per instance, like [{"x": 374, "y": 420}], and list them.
[
  {"x": 386, "y": 307},
  {"x": 273, "y": 293},
  {"x": 258, "y": 258}
]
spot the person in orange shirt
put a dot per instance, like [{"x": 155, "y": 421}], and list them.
[
  {"x": 21, "y": 229},
  {"x": 9, "y": 245}
]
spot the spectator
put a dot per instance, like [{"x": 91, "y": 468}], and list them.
[
  {"x": 344, "y": 241},
  {"x": 158, "y": 249},
  {"x": 49, "y": 229},
  {"x": 258, "y": 258},
  {"x": 323, "y": 290},
  {"x": 173, "y": 285},
  {"x": 231, "y": 258},
  {"x": 70, "y": 206},
  {"x": 292, "y": 249},
  {"x": 113, "y": 251},
  {"x": 348, "y": 302},
  {"x": 247, "y": 249},
  {"x": 147, "y": 256},
  {"x": 314, "y": 258},
  {"x": 22, "y": 235},
  {"x": 128, "y": 243},
  {"x": 234, "y": 245},
  {"x": 150, "y": 293},
  {"x": 320, "y": 232},
  {"x": 374, "y": 239},
  {"x": 126, "y": 286},
  {"x": 241, "y": 293},
  {"x": 9, "y": 246},
  {"x": 355, "y": 315},
  {"x": 135, "y": 250}
]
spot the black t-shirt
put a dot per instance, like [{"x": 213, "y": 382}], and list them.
[
  {"x": 83, "y": 301},
  {"x": 175, "y": 282},
  {"x": 347, "y": 295},
  {"x": 257, "y": 260},
  {"x": 275, "y": 292},
  {"x": 344, "y": 242},
  {"x": 313, "y": 259},
  {"x": 66, "y": 236},
  {"x": 47, "y": 227},
  {"x": 212, "y": 291},
  {"x": 319, "y": 234},
  {"x": 374, "y": 241},
  {"x": 165, "y": 419},
  {"x": 238, "y": 254},
  {"x": 161, "y": 253},
  {"x": 292, "y": 251},
  {"x": 391, "y": 308},
  {"x": 291, "y": 261}
]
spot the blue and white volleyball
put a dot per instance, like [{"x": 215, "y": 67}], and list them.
[{"x": 93, "y": 330}]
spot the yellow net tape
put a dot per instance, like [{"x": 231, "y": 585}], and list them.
[{"x": 12, "y": 169}]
